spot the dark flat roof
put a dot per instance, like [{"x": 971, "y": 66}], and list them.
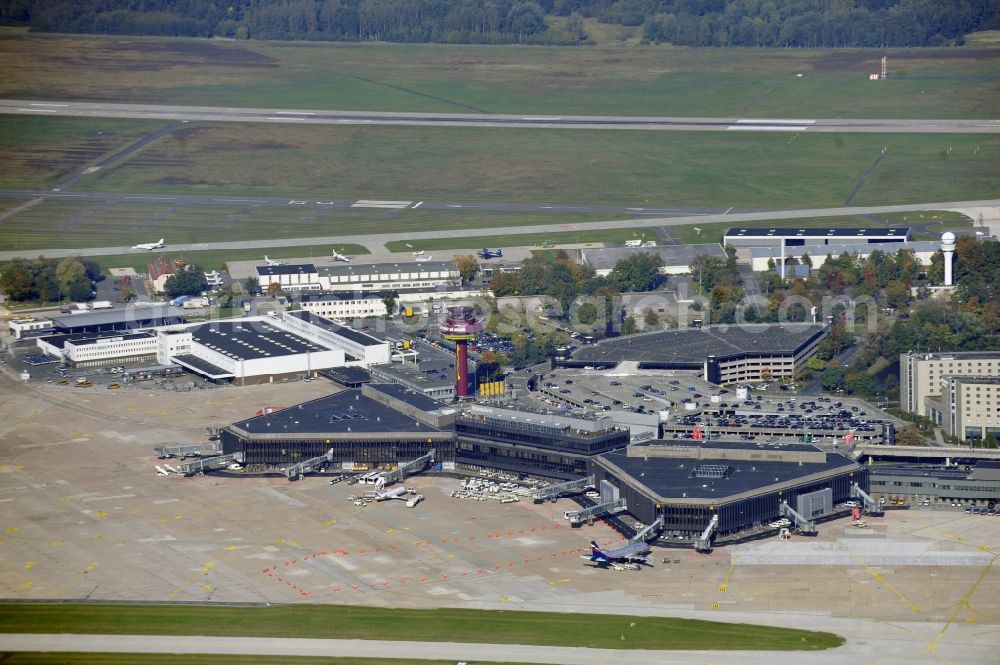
[
  {"x": 355, "y": 336},
  {"x": 673, "y": 478},
  {"x": 407, "y": 396},
  {"x": 291, "y": 269},
  {"x": 202, "y": 366},
  {"x": 347, "y": 375},
  {"x": 81, "y": 339},
  {"x": 818, "y": 232},
  {"x": 246, "y": 340},
  {"x": 110, "y": 316},
  {"x": 347, "y": 411},
  {"x": 694, "y": 346}
]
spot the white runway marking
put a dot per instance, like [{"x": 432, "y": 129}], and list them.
[
  {"x": 46, "y": 104},
  {"x": 751, "y": 121},
  {"x": 767, "y": 128},
  {"x": 395, "y": 205},
  {"x": 417, "y": 204},
  {"x": 37, "y": 111}
]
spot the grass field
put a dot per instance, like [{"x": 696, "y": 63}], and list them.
[
  {"x": 936, "y": 220},
  {"x": 542, "y": 166},
  {"x": 440, "y": 625},
  {"x": 633, "y": 80},
  {"x": 215, "y": 259},
  {"x": 37, "y": 153},
  {"x": 195, "y": 659},
  {"x": 68, "y": 224},
  {"x": 613, "y": 236}
]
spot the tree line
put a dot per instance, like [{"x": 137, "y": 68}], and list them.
[
  {"x": 720, "y": 23},
  {"x": 49, "y": 280}
]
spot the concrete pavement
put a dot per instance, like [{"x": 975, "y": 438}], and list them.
[{"x": 327, "y": 116}]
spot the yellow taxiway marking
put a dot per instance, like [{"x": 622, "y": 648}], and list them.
[
  {"x": 932, "y": 647},
  {"x": 205, "y": 568},
  {"x": 724, "y": 587},
  {"x": 229, "y": 548},
  {"x": 879, "y": 577},
  {"x": 101, "y": 513},
  {"x": 30, "y": 564},
  {"x": 76, "y": 578},
  {"x": 12, "y": 529},
  {"x": 27, "y": 585},
  {"x": 57, "y": 543},
  {"x": 330, "y": 522}
]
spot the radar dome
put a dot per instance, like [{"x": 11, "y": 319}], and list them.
[{"x": 947, "y": 238}]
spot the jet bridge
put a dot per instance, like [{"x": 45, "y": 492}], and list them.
[
  {"x": 578, "y": 517},
  {"x": 704, "y": 542},
  {"x": 199, "y": 450},
  {"x": 555, "y": 491},
  {"x": 296, "y": 471},
  {"x": 644, "y": 534},
  {"x": 871, "y": 506},
  {"x": 209, "y": 464},
  {"x": 406, "y": 469},
  {"x": 802, "y": 524}
]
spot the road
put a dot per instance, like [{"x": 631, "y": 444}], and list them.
[
  {"x": 332, "y": 117},
  {"x": 378, "y": 239}
]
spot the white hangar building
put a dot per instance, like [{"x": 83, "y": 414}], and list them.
[
  {"x": 262, "y": 349},
  {"x": 360, "y": 276}
]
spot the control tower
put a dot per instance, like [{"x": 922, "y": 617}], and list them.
[
  {"x": 948, "y": 249},
  {"x": 459, "y": 328}
]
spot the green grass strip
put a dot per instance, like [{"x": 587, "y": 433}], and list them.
[{"x": 438, "y": 625}]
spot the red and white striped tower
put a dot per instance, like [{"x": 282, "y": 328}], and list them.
[{"x": 459, "y": 327}]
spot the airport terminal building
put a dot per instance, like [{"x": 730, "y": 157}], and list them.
[{"x": 743, "y": 483}]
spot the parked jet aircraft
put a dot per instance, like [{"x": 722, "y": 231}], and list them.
[
  {"x": 337, "y": 256},
  {"x": 632, "y": 553},
  {"x": 273, "y": 262},
  {"x": 398, "y": 493},
  {"x": 487, "y": 253},
  {"x": 423, "y": 259},
  {"x": 149, "y": 245}
]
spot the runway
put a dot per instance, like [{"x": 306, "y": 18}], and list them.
[
  {"x": 379, "y": 239},
  {"x": 325, "y": 203},
  {"x": 333, "y": 117}
]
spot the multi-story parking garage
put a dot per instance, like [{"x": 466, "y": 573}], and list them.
[{"x": 724, "y": 354}]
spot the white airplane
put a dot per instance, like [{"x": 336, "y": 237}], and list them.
[
  {"x": 423, "y": 259},
  {"x": 419, "y": 252},
  {"x": 273, "y": 262},
  {"x": 337, "y": 256},
  {"x": 171, "y": 469},
  {"x": 398, "y": 493},
  {"x": 160, "y": 471},
  {"x": 150, "y": 246}
]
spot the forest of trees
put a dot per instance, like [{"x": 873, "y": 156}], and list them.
[{"x": 781, "y": 23}]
